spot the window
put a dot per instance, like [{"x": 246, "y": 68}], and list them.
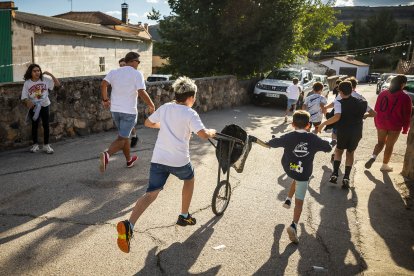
[{"x": 101, "y": 64}]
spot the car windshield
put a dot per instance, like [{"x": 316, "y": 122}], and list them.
[
  {"x": 156, "y": 79},
  {"x": 283, "y": 75}
]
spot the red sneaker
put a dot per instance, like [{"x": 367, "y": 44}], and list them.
[
  {"x": 131, "y": 162},
  {"x": 104, "y": 160}
]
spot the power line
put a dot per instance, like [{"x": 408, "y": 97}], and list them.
[{"x": 369, "y": 50}]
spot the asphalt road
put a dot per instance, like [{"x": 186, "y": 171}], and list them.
[{"x": 58, "y": 212}]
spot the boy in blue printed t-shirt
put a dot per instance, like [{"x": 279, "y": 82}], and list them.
[{"x": 300, "y": 147}]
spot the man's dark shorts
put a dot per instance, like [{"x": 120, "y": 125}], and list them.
[
  {"x": 159, "y": 174},
  {"x": 348, "y": 139}
]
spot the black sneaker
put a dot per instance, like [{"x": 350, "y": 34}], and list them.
[
  {"x": 182, "y": 221},
  {"x": 287, "y": 204},
  {"x": 345, "y": 183},
  {"x": 134, "y": 141},
  {"x": 124, "y": 235},
  {"x": 292, "y": 232},
  {"x": 369, "y": 163},
  {"x": 333, "y": 179}
]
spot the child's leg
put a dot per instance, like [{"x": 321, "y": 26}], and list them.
[
  {"x": 157, "y": 179},
  {"x": 392, "y": 138},
  {"x": 292, "y": 189},
  {"x": 187, "y": 194},
  {"x": 337, "y": 161},
  {"x": 298, "y": 210},
  {"x": 142, "y": 204},
  {"x": 301, "y": 188},
  {"x": 382, "y": 138},
  {"x": 349, "y": 161}
]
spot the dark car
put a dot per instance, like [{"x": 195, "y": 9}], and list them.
[
  {"x": 409, "y": 89},
  {"x": 381, "y": 81},
  {"x": 372, "y": 77}
]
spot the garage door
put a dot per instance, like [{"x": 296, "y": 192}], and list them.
[{"x": 349, "y": 71}]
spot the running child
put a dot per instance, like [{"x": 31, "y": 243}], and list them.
[
  {"x": 349, "y": 114},
  {"x": 315, "y": 105},
  {"x": 176, "y": 121},
  {"x": 293, "y": 91},
  {"x": 300, "y": 147}
]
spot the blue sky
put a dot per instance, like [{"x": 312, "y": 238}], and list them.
[{"x": 138, "y": 9}]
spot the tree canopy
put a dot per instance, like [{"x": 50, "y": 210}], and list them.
[{"x": 243, "y": 37}]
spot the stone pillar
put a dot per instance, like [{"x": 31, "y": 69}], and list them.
[{"x": 408, "y": 169}]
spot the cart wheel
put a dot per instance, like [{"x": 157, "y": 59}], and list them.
[{"x": 221, "y": 197}]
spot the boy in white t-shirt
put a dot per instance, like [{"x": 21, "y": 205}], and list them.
[
  {"x": 176, "y": 121},
  {"x": 315, "y": 105},
  {"x": 293, "y": 92}
]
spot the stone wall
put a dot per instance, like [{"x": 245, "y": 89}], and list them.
[
  {"x": 408, "y": 169},
  {"x": 76, "y": 108}
]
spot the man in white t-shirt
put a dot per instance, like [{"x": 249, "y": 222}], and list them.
[
  {"x": 176, "y": 121},
  {"x": 127, "y": 84},
  {"x": 293, "y": 92}
]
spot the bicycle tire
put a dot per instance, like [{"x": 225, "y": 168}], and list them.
[{"x": 220, "y": 199}]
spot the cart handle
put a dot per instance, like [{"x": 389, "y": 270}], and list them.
[
  {"x": 258, "y": 141},
  {"x": 224, "y": 137}
]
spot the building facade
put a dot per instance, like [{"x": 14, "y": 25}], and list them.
[
  {"x": 70, "y": 48},
  {"x": 347, "y": 66}
]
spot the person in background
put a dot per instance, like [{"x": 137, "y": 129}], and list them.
[
  {"x": 293, "y": 92},
  {"x": 127, "y": 84},
  {"x": 394, "y": 111},
  {"x": 35, "y": 95}
]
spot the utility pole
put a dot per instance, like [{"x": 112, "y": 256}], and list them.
[
  {"x": 71, "y": 5},
  {"x": 409, "y": 50}
]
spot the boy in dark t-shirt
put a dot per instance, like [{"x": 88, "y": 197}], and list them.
[
  {"x": 300, "y": 147},
  {"x": 349, "y": 123}
]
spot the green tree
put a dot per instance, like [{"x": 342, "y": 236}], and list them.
[
  {"x": 381, "y": 28},
  {"x": 357, "y": 35},
  {"x": 243, "y": 37}
]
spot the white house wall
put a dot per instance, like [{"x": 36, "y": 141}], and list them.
[
  {"x": 22, "y": 35},
  {"x": 362, "y": 71},
  {"x": 70, "y": 55}
]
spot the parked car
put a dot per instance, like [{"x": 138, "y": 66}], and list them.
[
  {"x": 273, "y": 87},
  {"x": 381, "y": 81},
  {"x": 387, "y": 83},
  {"x": 372, "y": 77},
  {"x": 323, "y": 79},
  {"x": 409, "y": 89},
  {"x": 158, "y": 77}
]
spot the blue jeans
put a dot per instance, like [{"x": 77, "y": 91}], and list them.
[
  {"x": 124, "y": 122},
  {"x": 159, "y": 174}
]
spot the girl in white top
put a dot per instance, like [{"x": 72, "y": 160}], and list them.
[{"x": 35, "y": 95}]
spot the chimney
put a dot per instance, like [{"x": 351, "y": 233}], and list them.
[
  {"x": 8, "y": 5},
  {"x": 146, "y": 26},
  {"x": 124, "y": 7}
]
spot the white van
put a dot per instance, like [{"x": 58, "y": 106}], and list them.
[{"x": 273, "y": 87}]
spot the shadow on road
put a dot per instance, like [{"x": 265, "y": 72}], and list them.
[
  {"x": 277, "y": 263},
  {"x": 333, "y": 232},
  {"x": 179, "y": 257},
  {"x": 388, "y": 216}
]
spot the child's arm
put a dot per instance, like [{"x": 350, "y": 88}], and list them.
[
  {"x": 55, "y": 80},
  {"x": 276, "y": 142},
  {"x": 150, "y": 124},
  {"x": 330, "y": 121},
  {"x": 206, "y": 133}
]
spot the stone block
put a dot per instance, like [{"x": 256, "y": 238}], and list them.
[{"x": 79, "y": 123}]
